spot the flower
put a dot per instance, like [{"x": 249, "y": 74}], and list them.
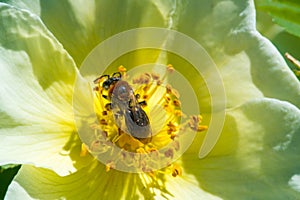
[{"x": 255, "y": 157}]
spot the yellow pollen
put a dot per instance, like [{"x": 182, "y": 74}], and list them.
[
  {"x": 194, "y": 123},
  {"x": 176, "y": 170},
  {"x": 176, "y": 102},
  {"x": 145, "y": 103},
  {"x": 121, "y": 68},
  {"x": 155, "y": 76},
  {"x": 129, "y": 143}
]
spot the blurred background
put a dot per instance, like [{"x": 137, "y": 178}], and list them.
[{"x": 279, "y": 21}]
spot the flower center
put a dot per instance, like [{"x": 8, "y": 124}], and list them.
[{"x": 140, "y": 121}]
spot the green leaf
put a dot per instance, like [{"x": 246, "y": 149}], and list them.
[
  {"x": 7, "y": 173},
  {"x": 285, "y": 13},
  {"x": 8, "y": 166}
]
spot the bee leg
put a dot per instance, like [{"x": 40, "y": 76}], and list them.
[
  {"x": 119, "y": 131},
  {"x": 143, "y": 103},
  {"x": 107, "y": 76},
  {"x": 97, "y": 80}
]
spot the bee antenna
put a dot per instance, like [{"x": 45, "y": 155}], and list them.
[{"x": 97, "y": 79}]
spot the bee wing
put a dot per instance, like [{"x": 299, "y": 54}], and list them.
[{"x": 137, "y": 123}]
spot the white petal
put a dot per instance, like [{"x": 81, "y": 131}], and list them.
[
  {"x": 36, "y": 79},
  {"x": 256, "y": 156},
  {"x": 91, "y": 182}
]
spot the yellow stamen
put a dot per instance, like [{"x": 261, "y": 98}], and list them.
[
  {"x": 121, "y": 68},
  {"x": 154, "y": 103},
  {"x": 176, "y": 170}
]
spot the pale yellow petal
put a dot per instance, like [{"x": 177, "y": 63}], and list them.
[{"x": 36, "y": 79}]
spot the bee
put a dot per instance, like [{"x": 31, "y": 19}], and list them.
[{"x": 125, "y": 106}]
